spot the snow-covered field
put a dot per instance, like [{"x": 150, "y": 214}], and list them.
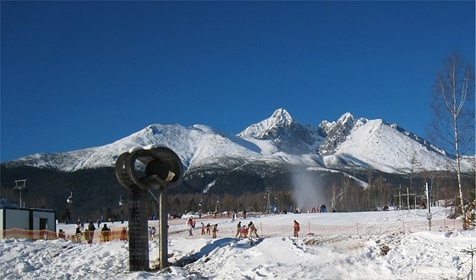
[{"x": 364, "y": 245}]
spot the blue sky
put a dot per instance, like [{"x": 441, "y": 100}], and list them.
[{"x": 81, "y": 74}]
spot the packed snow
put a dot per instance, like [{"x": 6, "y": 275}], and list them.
[{"x": 364, "y": 245}]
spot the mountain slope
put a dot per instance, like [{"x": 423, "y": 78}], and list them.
[
  {"x": 341, "y": 145},
  {"x": 383, "y": 147}
]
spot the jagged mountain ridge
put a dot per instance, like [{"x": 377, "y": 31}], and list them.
[{"x": 339, "y": 145}]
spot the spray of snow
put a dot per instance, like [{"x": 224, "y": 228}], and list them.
[{"x": 307, "y": 189}]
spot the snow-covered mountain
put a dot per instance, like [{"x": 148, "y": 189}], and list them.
[{"x": 345, "y": 144}]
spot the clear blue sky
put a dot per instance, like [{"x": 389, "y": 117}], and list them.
[{"x": 81, "y": 74}]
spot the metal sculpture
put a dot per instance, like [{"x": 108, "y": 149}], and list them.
[{"x": 140, "y": 170}]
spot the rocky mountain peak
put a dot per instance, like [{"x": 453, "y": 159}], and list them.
[
  {"x": 265, "y": 129},
  {"x": 335, "y": 133},
  {"x": 283, "y": 131},
  {"x": 282, "y": 117}
]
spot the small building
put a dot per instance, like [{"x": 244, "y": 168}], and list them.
[{"x": 31, "y": 223}]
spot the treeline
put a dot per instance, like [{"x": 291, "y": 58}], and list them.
[
  {"x": 345, "y": 195},
  {"x": 96, "y": 192}
]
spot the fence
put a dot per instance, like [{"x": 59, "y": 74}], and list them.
[
  {"x": 29, "y": 234},
  {"x": 380, "y": 228},
  {"x": 119, "y": 234},
  {"x": 314, "y": 228},
  {"x": 264, "y": 230}
]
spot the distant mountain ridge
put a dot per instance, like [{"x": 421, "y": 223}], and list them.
[{"x": 342, "y": 145}]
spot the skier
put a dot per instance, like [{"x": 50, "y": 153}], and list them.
[
  {"x": 253, "y": 230},
  {"x": 296, "y": 229},
  {"x": 244, "y": 232},
  {"x": 214, "y": 231},
  {"x": 238, "y": 230},
  {"x": 208, "y": 228},
  {"x": 190, "y": 226}
]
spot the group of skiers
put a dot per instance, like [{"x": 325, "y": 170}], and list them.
[
  {"x": 89, "y": 233},
  {"x": 209, "y": 229},
  {"x": 251, "y": 230},
  {"x": 243, "y": 231},
  {"x": 206, "y": 229}
]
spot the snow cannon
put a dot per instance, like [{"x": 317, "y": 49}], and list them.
[
  {"x": 149, "y": 168},
  {"x": 140, "y": 170}
]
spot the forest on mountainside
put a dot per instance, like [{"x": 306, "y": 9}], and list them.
[{"x": 97, "y": 193}]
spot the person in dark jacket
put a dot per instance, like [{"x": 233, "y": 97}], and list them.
[
  {"x": 105, "y": 232},
  {"x": 91, "y": 229}
]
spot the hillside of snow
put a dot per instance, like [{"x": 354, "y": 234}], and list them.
[
  {"x": 382, "y": 147},
  {"x": 354, "y": 246},
  {"x": 345, "y": 143}
]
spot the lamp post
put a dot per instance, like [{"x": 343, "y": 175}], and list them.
[
  {"x": 20, "y": 185},
  {"x": 216, "y": 205}
]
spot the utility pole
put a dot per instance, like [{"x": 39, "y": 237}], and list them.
[{"x": 427, "y": 190}]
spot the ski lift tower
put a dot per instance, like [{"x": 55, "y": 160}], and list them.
[
  {"x": 268, "y": 202},
  {"x": 20, "y": 185}
]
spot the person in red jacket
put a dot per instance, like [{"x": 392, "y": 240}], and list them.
[
  {"x": 244, "y": 232},
  {"x": 296, "y": 229}
]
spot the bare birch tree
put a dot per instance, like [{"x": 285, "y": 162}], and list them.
[{"x": 453, "y": 108}]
